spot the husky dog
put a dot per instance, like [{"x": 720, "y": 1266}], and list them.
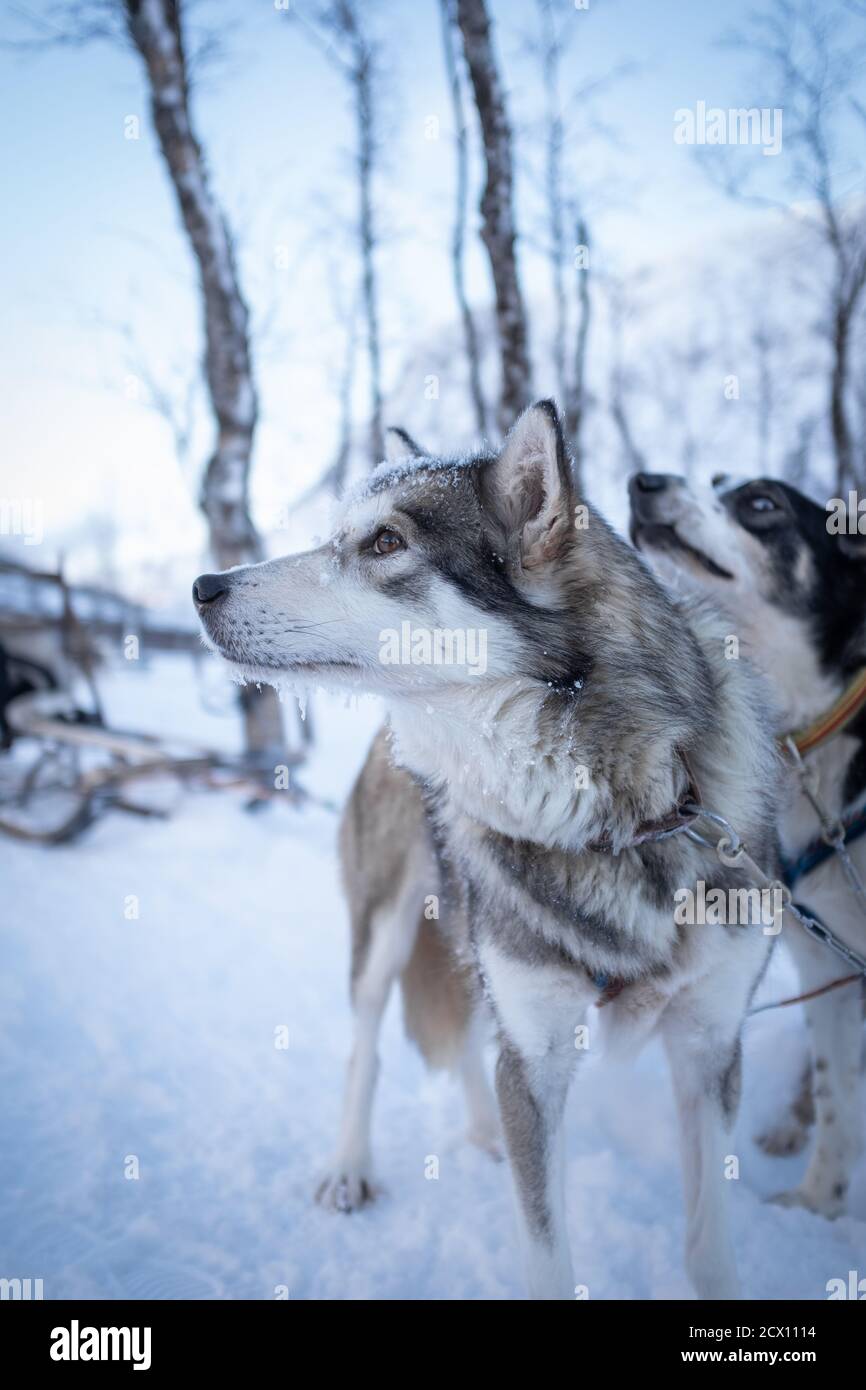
[
  {"x": 797, "y": 598},
  {"x": 559, "y": 779}
]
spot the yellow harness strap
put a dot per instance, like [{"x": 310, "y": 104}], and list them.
[{"x": 849, "y": 704}]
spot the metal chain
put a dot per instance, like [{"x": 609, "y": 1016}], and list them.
[
  {"x": 732, "y": 852},
  {"x": 832, "y": 829}
]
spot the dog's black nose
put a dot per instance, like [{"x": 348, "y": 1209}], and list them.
[
  {"x": 208, "y": 587},
  {"x": 650, "y": 482}
]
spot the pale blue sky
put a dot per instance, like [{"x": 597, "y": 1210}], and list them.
[{"x": 90, "y": 236}]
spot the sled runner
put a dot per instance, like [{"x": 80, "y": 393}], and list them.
[{"x": 82, "y": 768}]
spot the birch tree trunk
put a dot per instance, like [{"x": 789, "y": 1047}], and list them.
[
  {"x": 569, "y": 368},
  {"x": 551, "y": 62},
  {"x": 155, "y": 27},
  {"x": 458, "y": 238},
  {"x": 497, "y": 209},
  {"x": 575, "y": 395},
  {"x": 365, "y": 109},
  {"x": 845, "y": 305}
]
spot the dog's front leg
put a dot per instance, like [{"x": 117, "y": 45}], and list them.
[
  {"x": 531, "y": 1096},
  {"x": 836, "y": 1029},
  {"x": 348, "y": 1184},
  {"x": 538, "y": 1011},
  {"x": 706, "y": 1076}
]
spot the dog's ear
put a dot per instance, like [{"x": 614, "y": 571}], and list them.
[
  {"x": 399, "y": 445},
  {"x": 529, "y": 487}
]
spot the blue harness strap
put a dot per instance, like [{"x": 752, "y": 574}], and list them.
[
  {"x": 818, "y": 852},
  {"x": 609, "y": 987}
]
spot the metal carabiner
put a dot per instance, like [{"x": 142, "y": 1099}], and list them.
[{"x": 729, "y": 847}]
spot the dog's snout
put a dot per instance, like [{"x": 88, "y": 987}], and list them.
[
  {"x": 656, "y": 498},
  {"x": 650, "y": 482},
  {"x": 207, "y": 588}
]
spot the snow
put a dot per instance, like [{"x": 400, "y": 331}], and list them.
[
  {"x": 155, "y": 1038},
  {"x": 446, "y": 470}
]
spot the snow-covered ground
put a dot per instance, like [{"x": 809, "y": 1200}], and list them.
[{"x": 154, "y": 1038}]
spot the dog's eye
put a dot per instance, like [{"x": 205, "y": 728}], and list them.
[
  {"x": 388, "y": 542},
  {"x": 762, "y": 503}
]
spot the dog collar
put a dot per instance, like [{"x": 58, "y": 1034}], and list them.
[
  {"x": 834, "y": 720},
  {"x": 609, "y": 987},
  {"x": 680, "y": 817}
]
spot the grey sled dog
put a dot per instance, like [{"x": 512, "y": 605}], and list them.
[{"x": 548, "y": 782}]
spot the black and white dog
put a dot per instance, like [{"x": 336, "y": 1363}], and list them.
[
  {"x": 556, "y": 714},
  {"x": 795, "y": 592}
]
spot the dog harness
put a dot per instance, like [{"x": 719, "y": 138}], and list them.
[
  {"x": 818, "y": 851},
  {"x": 821, "y": 730},
  {"x": 846, "y": 832},
  {"x": 680, "y": 817},
  {"x": 851, "y": 827},
  {"x": 836, "y": 839}
]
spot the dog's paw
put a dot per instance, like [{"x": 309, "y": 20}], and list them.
[
  {"x": 822, "y": 1205},
  {"x": 784, "y": 1139},
  {"x": 346, "y": 1190}
]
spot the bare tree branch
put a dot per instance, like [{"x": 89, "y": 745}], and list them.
[
  {"x": 341, "y": 34},
  {"x": 814, "y": 65},
  {"x": 635, "y": 461},
  {"x": 170, "y": 391},
  {"x": 334, "y": 477}
]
